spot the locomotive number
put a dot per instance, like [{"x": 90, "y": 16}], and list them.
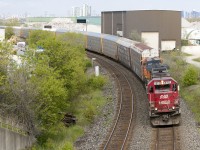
[
  {"x": 163, "y": 96},
  {"x": 166, "y": 102}
]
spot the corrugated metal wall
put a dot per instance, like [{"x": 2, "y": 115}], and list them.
[{"x": 166, "y": 22}]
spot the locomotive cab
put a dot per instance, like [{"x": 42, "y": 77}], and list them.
[
  {"x": 164, "y": 102},
  {"x": 150, "y": 65}
]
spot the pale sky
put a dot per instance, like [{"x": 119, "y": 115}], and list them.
[{"x": 63, "y": 7}]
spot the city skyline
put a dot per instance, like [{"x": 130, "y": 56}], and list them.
[{"x": 63, "y": 7}]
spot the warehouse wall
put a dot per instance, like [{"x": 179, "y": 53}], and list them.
[{"x": 166, "y": 22}]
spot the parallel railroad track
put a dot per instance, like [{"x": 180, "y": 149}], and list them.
[{"x": 119, "y": 134}]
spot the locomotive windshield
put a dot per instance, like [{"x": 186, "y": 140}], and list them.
[
  {"x": 153, "y": 62},
  {"x": 162, "y": 85},
  {"x": 165, "y": 87}
]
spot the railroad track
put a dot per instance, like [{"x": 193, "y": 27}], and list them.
[
  {"x": 166, "y": 138},
  {"x": 117, "y": 138}
]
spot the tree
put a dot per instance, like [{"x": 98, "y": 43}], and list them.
[
  {"x": 190, "y": 76},
  {"x": 66, "y": 55},
  {"x": 59, "y": 74},
  {"x": 39, "y": 90},
  {"x": 40, "y": 38},
  {"x": 16, "y": 92},
  {"x": 135, "y": 36},
  {"x": 12, "y": 22},
  {"x": 9, "y": 32},
  {"x": 52, "y": 96}
]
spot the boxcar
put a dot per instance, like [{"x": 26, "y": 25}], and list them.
[
  {"x": 124, "y": 51},
  {"x": 94, "y": 42},
  {"x": 109, "y": 46}
]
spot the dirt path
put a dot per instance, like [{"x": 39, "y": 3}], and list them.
[{"x": 194, "y": 51}]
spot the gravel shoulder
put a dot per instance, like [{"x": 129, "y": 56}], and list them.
[
  {"x": 195, "y": 52},
  {"x": 190, "y": 134},
  {"x": 96, "y": 132}
]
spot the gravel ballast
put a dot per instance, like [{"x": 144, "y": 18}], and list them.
[{"x": 190, "y": 134}]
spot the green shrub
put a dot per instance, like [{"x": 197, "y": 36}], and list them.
[
  {"x": 97, "y": 82},
  {"x": 49, "y": 144},
  {"x": 191, "y": 96},
  {"x": 184, "y": 43},
  {"x": 67, "y": 146},
  {"x": 190, "y": 76},
  {"x": 88, "y": 63},
  {"x": 89, "y": 113},
  {"x": 181, "y": 62}
]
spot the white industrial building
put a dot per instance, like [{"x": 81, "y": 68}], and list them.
[{"x": 191, "y": 32}]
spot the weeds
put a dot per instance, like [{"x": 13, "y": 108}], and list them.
[
  {"x": 188, "y": 78},
  {"x": 197, "y": 59}
]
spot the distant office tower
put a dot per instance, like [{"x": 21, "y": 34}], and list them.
[
  {"x": 192, "y": 14},
  {"x": 76, "y": 12},
  {"x": 195, "y": 14},
  {"x": 85, "y": 10}
]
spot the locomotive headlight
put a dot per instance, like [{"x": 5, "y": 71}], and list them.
[
  {"x": 156, "y": 108},
  {"x": 176, "y": 101},
  {"x": 152, "y": 104},
  {"x": 173, "y": 107}
]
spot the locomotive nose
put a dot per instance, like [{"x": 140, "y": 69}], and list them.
[{"x": 165, "y": 118}]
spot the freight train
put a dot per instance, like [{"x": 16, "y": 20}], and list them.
[{"x": 162, "y": 90}]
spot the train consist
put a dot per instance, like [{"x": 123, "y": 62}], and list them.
[{"x": 162, "y": 90}]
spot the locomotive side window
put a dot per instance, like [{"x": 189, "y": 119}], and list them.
[
  {"x": 174, "y": 87},
  {"x": 150, "y": 89}
]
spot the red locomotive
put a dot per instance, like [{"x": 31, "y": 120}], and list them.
[{"x": 163, "y": 96}]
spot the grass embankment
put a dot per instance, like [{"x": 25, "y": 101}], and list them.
[
  {"x": 187, "y": 77},
  {"x": 85, "y": 107}
]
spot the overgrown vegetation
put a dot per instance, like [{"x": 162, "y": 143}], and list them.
[
  {"x": 9, "y": 32},
  {"x": 188, "y": 78},
  {"x": 184, "y": 42},
  {"x": 197, "y": 59},
  {"x": 135, "y": 36},
  {"x": 45, "y": 86},
  {"x": 9, "y": 22},
  {"x": 193, "y": 19}
]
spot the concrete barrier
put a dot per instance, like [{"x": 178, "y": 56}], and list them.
[
  {"x": 13, "y": 136},
  {"x": 10, "y": 140}
]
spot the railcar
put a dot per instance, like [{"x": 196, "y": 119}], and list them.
[
  {"x": 124, "y": 51},
  {"x": 110, "y": 46},
  {"x": 94, "y": 42}
]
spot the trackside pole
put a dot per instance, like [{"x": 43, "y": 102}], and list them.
[{"x": 96, "y": 70}]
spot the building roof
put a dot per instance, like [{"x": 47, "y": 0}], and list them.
[{"x": 185, "y": 23}]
